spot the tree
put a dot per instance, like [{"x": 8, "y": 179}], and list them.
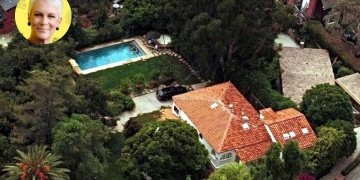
[
  {"x": 327, "y": 149},
  {"x": 279, "y": 163},
  {"x": 95, "y": 99},
  {"x": 44, "y": 102},
  {"x": 349, "y": 144},
  {"x": 81, "y": 140},
  {"x": 233, "y": 171},
  {"x": 164, "y": 150},
  {"x": 222, "y": 31},
  {"x": 344, "y": 71},
  {"x": 326, "y": 102},
  {"x": 294, "y": 159},
  {"x": 37, "y": 164},
  {"x": 273, "y": 162}
]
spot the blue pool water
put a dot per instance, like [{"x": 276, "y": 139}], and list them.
[{"x": 107, "y": 55}]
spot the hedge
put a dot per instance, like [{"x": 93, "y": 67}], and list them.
[
  {"x": 350, "y": 167},
  {"x": 327, "y": 41}
]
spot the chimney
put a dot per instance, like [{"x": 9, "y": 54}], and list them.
[{"x": 231, "y": 107}]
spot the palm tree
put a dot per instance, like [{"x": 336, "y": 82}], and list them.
[{"x": 37, "y": 164}]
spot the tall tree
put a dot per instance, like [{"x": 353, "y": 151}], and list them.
[
  {"x": 44, "y": 103},
  {"x": 326, "y": 102},
  {"x": 273, "y": 162},
  {"x": 349, "y": 144},
  {"x": 37, "y": 163},
  {"x": 294, "y": 159},
  {"x": 81, "y": 140},
  {"x": 223, "y": 36},
  {"x": 234, "y": 171},
  {"x": 164, "y": 150}
]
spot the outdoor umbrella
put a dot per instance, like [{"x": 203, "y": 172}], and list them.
[
  {"x": 153, "y": 35},
  {"x": 116, "y": 6}
]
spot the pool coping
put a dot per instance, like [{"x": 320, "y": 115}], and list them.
[{"x": 148, "y": 55}]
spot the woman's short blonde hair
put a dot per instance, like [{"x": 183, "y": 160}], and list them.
[{"x": 57, "y": 3}]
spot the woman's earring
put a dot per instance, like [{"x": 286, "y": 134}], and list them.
[
  {"x": 29, "y": 23},
  {"x": 57, "y": 28}
]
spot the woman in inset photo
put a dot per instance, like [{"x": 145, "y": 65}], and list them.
[{"x": 44, "y": 18}]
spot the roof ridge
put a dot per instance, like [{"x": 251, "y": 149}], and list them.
[
  {"x": 226, "y": 131},
  {"x": 223, "y": 93}
]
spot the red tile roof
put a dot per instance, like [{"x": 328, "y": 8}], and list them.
[
  {"x": 221, "y": 126},
  {"x": 286, "y": 121}
]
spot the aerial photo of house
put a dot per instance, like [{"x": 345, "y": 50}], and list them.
[{"x": 179, "y": 90}]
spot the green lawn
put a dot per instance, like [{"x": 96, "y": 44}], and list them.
[{"x": 109, "y": 79}]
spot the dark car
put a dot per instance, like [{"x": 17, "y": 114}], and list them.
[{"x": 168, "y": 92}]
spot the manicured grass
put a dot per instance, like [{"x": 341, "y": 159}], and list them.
[
  {"x": 110, "y": 78},
  {"x": 146, "y": 118}
]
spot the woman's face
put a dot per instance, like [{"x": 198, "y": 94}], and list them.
[{"x": 44, "y": 19}]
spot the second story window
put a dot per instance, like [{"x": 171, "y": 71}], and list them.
[{"x": 225, "y": 156}]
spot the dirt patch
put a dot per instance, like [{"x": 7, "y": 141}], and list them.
[{"x": 167, "y": 114}]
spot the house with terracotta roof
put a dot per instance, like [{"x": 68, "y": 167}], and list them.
[
  {"x": 288, "y": 124},
  {"x": 303, "y": 68},
  {"x": 350, "y": 84},
  {"x": 7, "y": 15},
  {"x": 229, "y": 126}
]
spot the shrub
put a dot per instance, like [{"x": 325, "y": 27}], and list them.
[
  {"x": 155, "y": 74},
  {"x": 119, "y": 102},
  {"x": 139, "y": 78},
  {"x": 350, "y": 167},
  {"x": 125, "y": 85},
  {"x": 153, "y": 84},
  {"x": 131, "y": 128},
  {"x": 343, "y": 71}
]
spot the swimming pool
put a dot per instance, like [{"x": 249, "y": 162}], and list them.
[{"x": 108, "y": 55}]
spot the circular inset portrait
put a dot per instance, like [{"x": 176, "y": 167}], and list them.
[{"x": 43, "y": 21}]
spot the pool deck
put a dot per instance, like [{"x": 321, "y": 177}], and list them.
[{"x": 148, "y": 52}]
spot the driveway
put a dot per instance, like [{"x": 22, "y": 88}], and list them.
[
  {"x": 148, "y": 103},
  {"x": 143, "y": 104}
]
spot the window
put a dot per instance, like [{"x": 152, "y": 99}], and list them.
[
  {"x": 286, "y": 136},
  {"x": 200, "y": 135},
  {"x": 212, "y": 152},
  {"x": 292, "y": 134},
  {"x": 225, "y": 156},
  {"x": 176, "y": 110},
  {"x": 1, "y": 25},
  {"x": 305, "y": 130}
]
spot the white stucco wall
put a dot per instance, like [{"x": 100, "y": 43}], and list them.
[
  {"x": 215, "y": 160},
  {"x": 270, "y": 133}
]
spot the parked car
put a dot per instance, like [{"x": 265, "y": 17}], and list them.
[{"x": 168, "y": 92}]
